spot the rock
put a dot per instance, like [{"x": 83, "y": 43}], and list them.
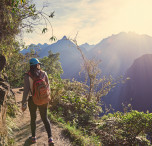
[
  {"x": 2, "y": 62},
  {"x": 4, "y": 92}
]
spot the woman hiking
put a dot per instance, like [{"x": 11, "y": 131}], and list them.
[{"x": 34, "y": 77}]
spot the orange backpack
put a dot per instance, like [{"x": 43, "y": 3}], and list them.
[{"x": 41, "y": 91}]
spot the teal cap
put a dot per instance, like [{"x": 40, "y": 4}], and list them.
[{"x": 34, "y": 61}]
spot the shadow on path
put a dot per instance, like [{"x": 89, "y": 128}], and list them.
[{"x": 28, "y": 143}]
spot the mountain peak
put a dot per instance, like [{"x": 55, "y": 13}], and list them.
[
  {"x": 86, "y": 44},
  {"x": 64, "y": 38}
]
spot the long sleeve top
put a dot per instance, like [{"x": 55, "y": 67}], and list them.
[{"x": 28, "y": 85}]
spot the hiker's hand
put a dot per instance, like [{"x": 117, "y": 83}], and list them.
[{"x": 24, "y": 106}]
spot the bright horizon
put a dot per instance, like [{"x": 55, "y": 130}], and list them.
[{"x": 94, "y": 20}]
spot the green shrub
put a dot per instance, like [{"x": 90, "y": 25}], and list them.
[
  {"x": 125, "y": 128},
  {"x": 76, "y": 135},
  {"x": 70, "y": 102}
]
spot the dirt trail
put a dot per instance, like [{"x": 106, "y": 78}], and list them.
[{"x": 23, "y": 131}]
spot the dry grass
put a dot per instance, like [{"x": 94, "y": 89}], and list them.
[{"x": 3, "y": 128}]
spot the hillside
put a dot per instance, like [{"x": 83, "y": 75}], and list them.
[{"x": 137, "y": 90}]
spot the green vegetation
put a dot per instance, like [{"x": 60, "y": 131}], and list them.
[
  {"x": 128, "y": 128},
  {"x": 15, "y": 16},
  {"x": 76, "y": 135},
  {"x": 79, "y": 118},
  {"x": 75, "y": 106},
  {"x": 7, "y": 135},
  {"x": 51, "y": 64}
]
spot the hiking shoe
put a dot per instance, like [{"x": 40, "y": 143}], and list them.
[
  {"x": 32, "y": 139},
  {"x": 51, "y": 143}
]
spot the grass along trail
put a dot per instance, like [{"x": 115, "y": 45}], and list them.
[{"x": 22, "y": 132}]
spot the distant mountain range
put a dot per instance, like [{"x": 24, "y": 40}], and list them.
[
  {"x": 117, "y": 53},
  {"x": 70, "y": 57}
]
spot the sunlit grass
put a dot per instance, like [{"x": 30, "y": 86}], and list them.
[{"x": 77, "y": 136}]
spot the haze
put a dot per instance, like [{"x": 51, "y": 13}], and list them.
[{"x": 94, "y": 19}]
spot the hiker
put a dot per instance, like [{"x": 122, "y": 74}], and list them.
[{"x": 36, "y": 74}]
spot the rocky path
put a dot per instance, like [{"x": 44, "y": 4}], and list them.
[{"x": 23, "y": 131}]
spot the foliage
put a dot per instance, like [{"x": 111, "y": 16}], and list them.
[
  {"x": 78, "y": 102},
  {"x": 12, "y": 110},
  {"x": 12, "y": 16},
  {"x": 74, "y": 104},
  {"x": 18, "y": 15},
  {"x": 71, "y": 107},
  {"x": 70, "y": 102},
  {"x": 75, "y": 101},
  {"x": 17, "y": 65},
  {"x": 51, "y": 64},
  {"x": 8, "y": 110},
  {"x": 77, "y": 136},
  {"x": 127, "y": 128},
  {"x": 98, "y": 87},
  {"x": 15, "y": 17},
  {"x": 10, "y": 126}
]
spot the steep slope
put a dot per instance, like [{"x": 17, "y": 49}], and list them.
[{"x": 138, "y": 90}]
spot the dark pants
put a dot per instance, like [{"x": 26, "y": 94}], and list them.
[{"x": 43, "y": 113}]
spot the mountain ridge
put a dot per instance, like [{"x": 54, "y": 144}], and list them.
[{"x": 117, "y": 53}]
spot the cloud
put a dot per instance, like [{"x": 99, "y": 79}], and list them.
[{"x": 97, "y": 19}]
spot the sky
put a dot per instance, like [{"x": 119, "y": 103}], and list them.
[{"x": 93, "y": 20}]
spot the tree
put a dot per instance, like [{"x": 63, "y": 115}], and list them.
[
  {"x": 16, "y": 16},
  {"x": 98, "y": 87},
  {"x": 51, "y": 64}
]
